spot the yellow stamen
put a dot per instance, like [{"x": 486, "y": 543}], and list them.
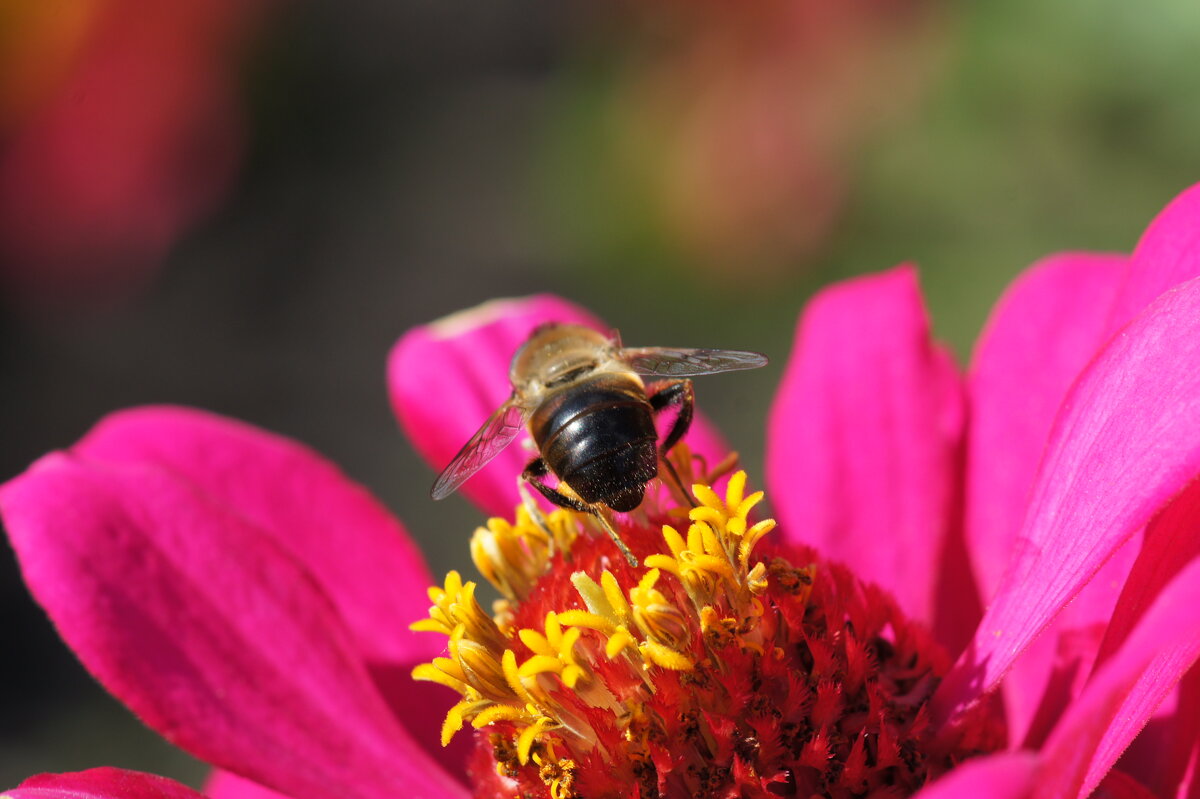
[
  {"x": 513, "y": 556},
  {"x": 527, "y": 737},
  {"x": 544, "y": 700},
  {"x": 660, "y": 655},
  {"x": 581, "y": 618},
  {"x": 501, "y": 713},
  {"x": 430, "y": 672},
  {"x": 455, "y": 717}
]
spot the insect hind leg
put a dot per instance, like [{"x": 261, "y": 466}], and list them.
[
  {"x": 534, "y": 474},
  {"x": 681, "y": 394}
]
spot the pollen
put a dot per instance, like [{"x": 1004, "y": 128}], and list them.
[{"x": 721, "y": 664}]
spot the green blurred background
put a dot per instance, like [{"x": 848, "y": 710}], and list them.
[{"x": 395, "y": 161}]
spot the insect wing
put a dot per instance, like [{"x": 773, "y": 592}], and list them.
[
  {"x": 670, "y": 362},
  {"x": 490, "y": 440}
]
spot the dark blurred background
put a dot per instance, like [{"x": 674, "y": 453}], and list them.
[{"x": 241, "y": 205}]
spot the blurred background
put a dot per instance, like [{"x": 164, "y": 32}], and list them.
[{"x": 240, "y": 204}]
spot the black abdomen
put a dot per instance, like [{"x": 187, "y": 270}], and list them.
[{"x": 598, "y": 437}]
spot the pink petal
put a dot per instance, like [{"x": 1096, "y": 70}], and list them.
[
  {"x": 864, "y": 442},
  {"x": 1118, "y": 785},
  {"x": 1172, "y": 541},
  {"x": 1166, "y": 753},
  {"x": 1167, "y": 255},
  {"x": 1044, "y": 330},
  {"x": 223, "y": 785},
  {"x": 1124, "y": 444},
  {"x": 101, "y": 783},
  {"x": 1008, "y": 775},
  {"x": 1124, "y": 692},
  {"x": 209, "y": 630},
  {"x": 421, "y": 707},
  {"x": 447, "y": 377},
  {"x": 1061, "y": 664},
  {"x": 359, "y": 554}
]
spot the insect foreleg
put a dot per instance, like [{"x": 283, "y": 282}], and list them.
[{"x": 533, "y": 474}]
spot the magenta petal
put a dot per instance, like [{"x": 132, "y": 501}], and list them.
[
  {"x": 1164, "y": 754},
  {"x": 864, "y": 438},
  {"x": 1065, "y": 669},
  {"x": 1008, "y": 775},
  {"x": 447, "y": 377},
  {"x": 361, "y": 556},
  {"x": 1124, "y": 692},
  {"x": 1172, "y": 541},
  {"x": 1124, "y": 444},
  {"x": 1167, "y": 254},
  {"x": 208, "y": 630},
  {"x": 1118, "y": 785},
  {"x": 223, "y": 785},
  {"x": 101, "y": 783},
  {"x": 1044, "y": 330}
]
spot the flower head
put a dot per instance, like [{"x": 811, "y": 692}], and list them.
[
  {"x": 711, "y": 669},
  {"x": 249, "y": 601}
]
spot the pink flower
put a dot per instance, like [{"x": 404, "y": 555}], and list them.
[
  {"x": 735, "y": 133},
  {"x": 101, "y": 783},
  {"x": 251, "y": 603},
  {"x": 122, "y": 130}
]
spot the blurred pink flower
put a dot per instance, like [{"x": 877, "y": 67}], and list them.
[
  {"x": 101, "y": 783},
  {"x": 740, "y": 121},
  {"x": 121, "y": 129},
  {"x": 250, "y": 602}
]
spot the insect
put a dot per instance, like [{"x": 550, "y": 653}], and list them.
[{"x": 582, "y": 396}]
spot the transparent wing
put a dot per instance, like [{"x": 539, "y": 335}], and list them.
[
  {"x": 491, "y": 439},
  {"x": 670, "y": 362}
]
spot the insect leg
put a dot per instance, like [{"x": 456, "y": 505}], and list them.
[
  {"x": 533, "y": 474},
  {"x": 601, "y": 513},
  {"x": 675, "y": 392},
  {"x": 533, "y": 508}
]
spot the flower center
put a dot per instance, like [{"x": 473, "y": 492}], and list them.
[{"x": 706, "y": 671}]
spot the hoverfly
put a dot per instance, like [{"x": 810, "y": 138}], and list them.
[{"x": 582, "y": 396}]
